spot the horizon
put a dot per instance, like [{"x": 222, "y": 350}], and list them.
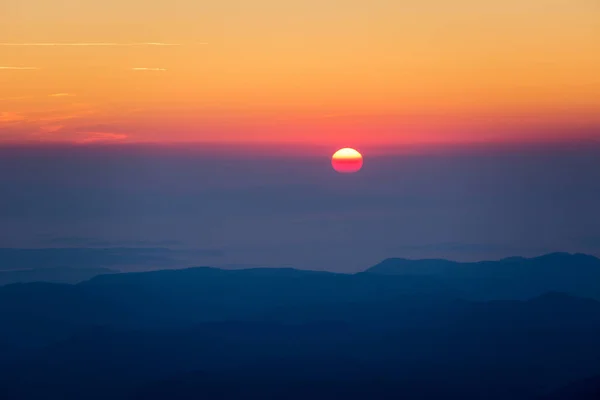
[
  {"x": 277, "y": 205},
  {"x": 287, "y": 206},
  {"x": 114, "y": 269}
]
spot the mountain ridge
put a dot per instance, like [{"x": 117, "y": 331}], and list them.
[{"x": 144, "y": 333}]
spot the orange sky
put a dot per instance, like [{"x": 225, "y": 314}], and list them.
[{"x": 316, "y": 71}]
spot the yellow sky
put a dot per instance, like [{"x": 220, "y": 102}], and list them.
[{"x": 312, "y": 70}]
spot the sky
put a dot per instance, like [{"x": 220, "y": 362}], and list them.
[
  {"x": 317, "y": 72},
  {"x": 207, "y": 129}
]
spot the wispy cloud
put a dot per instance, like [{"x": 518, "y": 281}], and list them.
[
  {"x": 75, "y": 111},
  {"x": 91, "y": 44},
  {"x": 15, "y": 98},
  {"x": 58, "y": 117},
  {"x": 10, "y": 117},
  {"x": 94, "y": 137},
  {"x": 148, "y": 69},
  {"x": 45, "y": 129},
  {"x": 19, "y": 68},
  {"x": 32, "y": 97}
]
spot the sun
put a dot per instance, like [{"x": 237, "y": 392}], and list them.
[{"x": 347, "y": 161}]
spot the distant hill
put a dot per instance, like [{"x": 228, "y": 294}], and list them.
[
  {"x": 396, "y": 290},
  {"x": 54, "y": 275},
  {"x": 510, "y": 278},
  {"x": 209, "y": 294},
  {"x": 586, "y": 389},
  {"x": 491, "y": 350},
  {"x": 514, "y": 277},
  {"x": 283, "y": 333}
]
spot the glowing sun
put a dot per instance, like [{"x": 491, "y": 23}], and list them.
[{"x": 347, "y": 161}]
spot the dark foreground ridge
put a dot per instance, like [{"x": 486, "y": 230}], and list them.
[
  {"x": 427, "y": 329},
  {"x": 586, "y": 389}
]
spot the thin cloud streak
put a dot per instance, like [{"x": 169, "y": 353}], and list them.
[
  {"x": 15, "y": 98},
  {"x": 93, "y": 137},
  {"x": 149, "y": 69},
  {"x": 91, "y": 44},
  {"x": 19, "y": 68},
  {"x": 32, "y": 97},
  {"x": 11, "y": 117}
]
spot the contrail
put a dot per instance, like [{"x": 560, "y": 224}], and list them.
[
  {"x": 19, "y": 68},
  {"x": 149, "y": 69},
  {"x": 91, "y": 44}
]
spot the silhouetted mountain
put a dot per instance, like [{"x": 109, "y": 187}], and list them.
[
  {"x": 289, "y": 381},
  {"x": 283, "y": 333},
  {"x": 54, "y": 275},
  {"x": 586, "y": 389},
  {"x": 494, "y": 350},
  {"x": 36, "y": 314},
  {"x": 514, "y": 277},
  {"x": 180, "y": 298},
  {"x": 209, "y": 294},
  {"x": 183, "y": 298}
]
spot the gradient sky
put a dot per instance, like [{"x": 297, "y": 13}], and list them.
[
  {"x": 208, "y": 127},
  {"x": 320, "y": 72}
]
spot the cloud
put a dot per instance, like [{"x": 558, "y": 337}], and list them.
[
  {"x": 61, "y": 95},
  {"x": 20, "y": 68},
  {"x": 15, "y": 98},
  {"x": 10, "y": 117},
  {"x": 51, "y": 128},
  {"x": 90, "y": 44},
  {"x": 77, "y": 111},
  {"x": 94, "y": 137},
  {"x": 149, "y": 69},
  {"x": 58, "y": 118},
  {"x": 31, "y": 97}
]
